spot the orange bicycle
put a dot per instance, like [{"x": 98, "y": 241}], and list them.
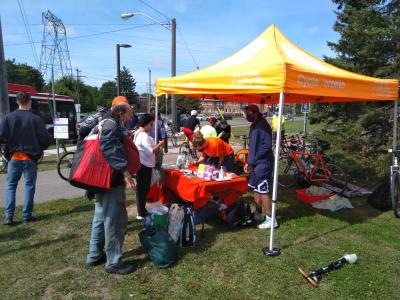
[
  {"x": 308, "y": 169},
  {"x": 241, "y": 155}
]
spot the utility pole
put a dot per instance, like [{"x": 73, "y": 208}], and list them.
[
  {"x": 149, "y": 93},
  {"x": 78, "y": 105},
  {"x": 77, "y": 84},
  {"x": 118, "y": 71},
  {"x": 4, "y": 104},
  {"x": 173, "y": 73}
]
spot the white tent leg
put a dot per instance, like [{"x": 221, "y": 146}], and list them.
[
  {"x": 271, "y": 251},
  {"x": 395, "y": 125}
]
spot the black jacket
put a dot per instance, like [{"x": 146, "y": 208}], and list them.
[
  {"x": 113, "y": 150},
  {"x": 260, "y": 144},
  {"x": 23, "y": 131}
]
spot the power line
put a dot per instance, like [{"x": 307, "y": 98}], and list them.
[
  {"x": 187, "y": 47},
  {"x": 28, "y": 32},
  {"x": 156, "y": 10},
  {"x": 92, "y": 34}
]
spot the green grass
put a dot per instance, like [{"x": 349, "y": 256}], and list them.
[
  {"x": 46, "y": 259},
  {"x": 290, "y": 128},
  {"x": 48, "y": 163}
]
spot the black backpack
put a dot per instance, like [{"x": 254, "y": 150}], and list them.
[
  {"x": 380, "y": 198},
  {"x": 187, "y": 236},
  {"x": 239, "y": 215}
]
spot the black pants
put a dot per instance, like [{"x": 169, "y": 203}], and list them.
[
  {"x": 142, "y": 189},
  {"x": 229, "y": 162}
]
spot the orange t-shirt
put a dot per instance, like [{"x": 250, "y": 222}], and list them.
[
  {"x": 20, "y": 156},
  {"x": 217, "y": 148}
]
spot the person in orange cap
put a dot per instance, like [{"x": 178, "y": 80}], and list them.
[{"x": 119, "y": 100}]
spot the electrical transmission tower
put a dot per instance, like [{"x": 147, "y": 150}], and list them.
[{"x": 55, "y": 55}]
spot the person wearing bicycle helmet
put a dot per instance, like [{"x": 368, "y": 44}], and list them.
[
  {"x": 91, "y": 121},
  {"x": 260, "y": 162},
  {"x": 222, "y": 128},
  {"x": 191, "y": 124}
]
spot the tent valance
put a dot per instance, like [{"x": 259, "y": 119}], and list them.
[{"x": 272, "y": 64}]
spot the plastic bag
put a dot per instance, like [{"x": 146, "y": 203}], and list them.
[{"x": 175, "y": 217}]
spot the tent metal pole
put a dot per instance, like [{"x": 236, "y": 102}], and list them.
[
  {"x": 156, "y": 122},
  {"x": 271, "y": 250},
  {"x": 395, "y": 125}
]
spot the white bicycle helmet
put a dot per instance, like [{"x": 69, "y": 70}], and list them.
[{"x": 193, "y": 112}]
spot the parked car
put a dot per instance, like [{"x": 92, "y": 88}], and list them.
[
  {"x": 227, "y": 117},
  {"x": 202, "y": 117},
  {"x": 288, "y": 116},
  {"x": 184, "y": 117}
]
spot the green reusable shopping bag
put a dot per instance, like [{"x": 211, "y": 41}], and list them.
[{"x": 160, "y": 247}]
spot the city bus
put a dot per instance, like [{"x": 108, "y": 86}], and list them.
[{"x": 42, "y": 105}]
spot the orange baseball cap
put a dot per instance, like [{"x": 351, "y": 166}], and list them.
[{"x": 119, "y": 100}]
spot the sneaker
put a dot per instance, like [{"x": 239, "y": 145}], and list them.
[
  {"x": 101, "y": 260},
  {"x": 30, "y": 219},
  {"x": 8, "y": 221},
  {"x": 139, "y": 217},
  {"x": 121, "y": 269},
  {"x": 267, "y": 223},
  {"x": 89, "y": 195}
]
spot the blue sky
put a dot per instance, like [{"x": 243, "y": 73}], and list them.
[{"x": 212, "y": 29}]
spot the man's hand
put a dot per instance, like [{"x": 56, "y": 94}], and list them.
[
  {"x": 195, "y": 163},
  {"x": 130, "y": 182},
  {"x": 247, "y": 169}
]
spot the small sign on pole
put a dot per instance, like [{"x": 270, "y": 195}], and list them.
[
  {"x": 305, "y": 108},
  {"x": 60, "y": 128}
]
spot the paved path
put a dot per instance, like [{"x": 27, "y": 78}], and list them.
[{"x": 50, "y": 186}]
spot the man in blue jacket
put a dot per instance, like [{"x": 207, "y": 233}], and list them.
[
  {"x": 25, "y": 136},
  {"x": 260, "y": 162}
]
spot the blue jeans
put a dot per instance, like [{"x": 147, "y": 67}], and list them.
[
  {"x": 15, "y": 170},
  {"x": 109, "y": 225}
]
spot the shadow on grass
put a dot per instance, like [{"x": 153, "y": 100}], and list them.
[
  {"x": 40, "y": 244},
  {"x": 89, "y": 206},
  {"x": 19, "y": 233}
]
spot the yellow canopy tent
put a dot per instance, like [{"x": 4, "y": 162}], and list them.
[
  {"x": 272, "y": 64},
  {"x": 272, "y": 69}
]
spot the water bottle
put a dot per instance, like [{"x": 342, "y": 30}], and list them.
[{"x": 186, "y": 163}]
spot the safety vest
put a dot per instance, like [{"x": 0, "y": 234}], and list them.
[{"x": 275, "y": 122}]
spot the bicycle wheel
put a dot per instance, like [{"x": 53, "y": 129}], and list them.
[
  {"x": 64, "y": 165},
  {"x": 337, "y": 177},
  {"x": 288, "y": 172},
  {"x": 395, "y": 194},
  {"x": 41, "y": 158},
  {"x": 173, "y": 139},
  {"x": 184, "y": 149},
  {"x": 3, "y": 164}
]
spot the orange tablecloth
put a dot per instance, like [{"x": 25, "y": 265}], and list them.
[{"x": 197, "y": 190}]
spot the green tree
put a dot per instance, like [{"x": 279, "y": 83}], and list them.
[
  {"x": 369, "y": 44},
  {"x": 128, "y": 86},
  {"x": 24, "y": 74},
  {"x": 88, "y": 96},
  {"x": 108, "y": 91}
]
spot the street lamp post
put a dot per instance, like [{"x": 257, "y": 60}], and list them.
[
  {"x": 118, "y": 64},
  {"x": 172, "y": 27}
]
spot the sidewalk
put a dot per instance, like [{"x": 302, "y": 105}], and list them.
[{"x": 49, "y": 186}]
